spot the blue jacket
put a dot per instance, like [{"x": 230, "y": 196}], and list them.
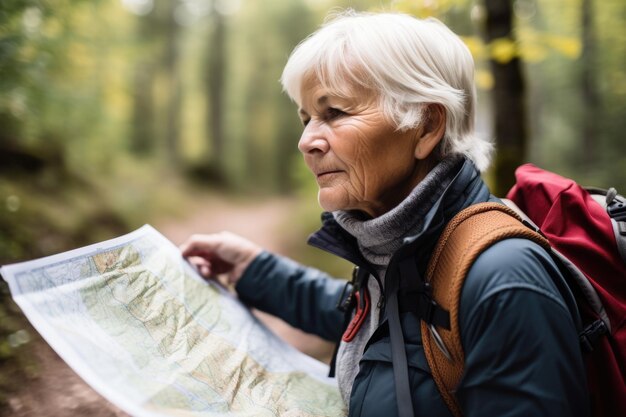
[{"x": 518, "y": 321}]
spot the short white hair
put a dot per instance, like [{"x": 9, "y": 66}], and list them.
[{"x": 409, "y": 63}]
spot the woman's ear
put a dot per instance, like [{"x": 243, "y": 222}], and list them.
[{"x": 432, "y": 130}]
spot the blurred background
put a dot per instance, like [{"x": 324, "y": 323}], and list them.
[{"x": 118, "y": 113}]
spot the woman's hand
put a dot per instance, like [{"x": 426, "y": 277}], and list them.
[{"x": 220, "y": 253}]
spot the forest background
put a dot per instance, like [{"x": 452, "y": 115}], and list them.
[{"x": 114, "y": 114}]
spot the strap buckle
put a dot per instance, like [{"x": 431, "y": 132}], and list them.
[
  {"x": 345, "y": 305},
  {"x": 431, "y": 312},
  {"x": 616, "y": 206},
  {"x": 427, "y": 304},
  {"x": 590, "y": 335}
]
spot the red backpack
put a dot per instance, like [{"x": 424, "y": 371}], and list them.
[
  {"x": 585, "y": 231},
  {"x": 587, "y": 228}
]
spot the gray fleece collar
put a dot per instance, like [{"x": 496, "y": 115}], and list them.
[{"x": 378, "y": 238}]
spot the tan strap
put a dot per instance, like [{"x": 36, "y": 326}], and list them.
[{"x": 465, "y": 237}]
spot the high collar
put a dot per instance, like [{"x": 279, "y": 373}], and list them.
[
  {"x": 380, "y": 237},
  {"x": 466, "y": 188}
]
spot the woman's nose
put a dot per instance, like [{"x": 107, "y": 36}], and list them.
[{"x": 313, "y": 140}]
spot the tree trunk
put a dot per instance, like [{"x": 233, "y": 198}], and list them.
[
  {"x": 170, "y": 61},
  {"x": 142, "y": 135},
  {"x": 589, "y": 91},
  {"x": 508, "y": 99},
  {"x": 143, "y": 120},
  {"x": 216, "y": 62}
]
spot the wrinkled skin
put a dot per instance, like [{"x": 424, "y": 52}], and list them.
[{"x": 360, "y": 160}]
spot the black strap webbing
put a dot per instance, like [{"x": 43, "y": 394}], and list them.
[
  {"x": 425, "y": 308},
  {"x": 333, "y": 361},
  {"x": 398, "y": 352}
]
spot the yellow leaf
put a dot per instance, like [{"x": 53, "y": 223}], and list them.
[
  {"x": 532, "y": 52},
  {"x": 502, "y": 50},
  {"x": 566, "y": 45},
  {"x": 484, "y": 79},
  {"x": 475, "y": 45}
]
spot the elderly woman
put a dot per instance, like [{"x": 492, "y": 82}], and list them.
[{"x": 387, "y": 103}]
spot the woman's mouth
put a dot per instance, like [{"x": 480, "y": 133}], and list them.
[{"x": 323, "y": 174}]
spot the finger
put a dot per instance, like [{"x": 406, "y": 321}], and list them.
[
  {"x": 200, "y": 245},
  {"x": 204, "y": 270},
  {"x": 196, "y": 261},
  {"x": 201, "y": 266}
]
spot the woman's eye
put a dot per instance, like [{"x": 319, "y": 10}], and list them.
[
  {"x": 305, "y": 122},
  {"x": 333, "y": 113}
]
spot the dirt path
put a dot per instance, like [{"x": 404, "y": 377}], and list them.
[{"x": 58, "y": 391}]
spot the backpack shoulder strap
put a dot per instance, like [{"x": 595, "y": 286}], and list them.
[{"x": 466, "y": 236}]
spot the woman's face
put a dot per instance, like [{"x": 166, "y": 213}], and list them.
[{"x": 359, "y": 159}]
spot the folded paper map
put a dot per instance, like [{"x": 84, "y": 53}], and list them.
[{"x": 137, "y": 322}]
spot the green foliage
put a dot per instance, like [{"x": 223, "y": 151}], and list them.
[
  {"x": 70, "y": 74},
  {"x": 558, "y": 105}
]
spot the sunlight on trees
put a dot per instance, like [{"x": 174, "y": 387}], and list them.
[{"x": 189, "y": 88}]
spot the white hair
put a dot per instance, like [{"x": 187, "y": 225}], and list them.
[{"x": 409, "y": 63}]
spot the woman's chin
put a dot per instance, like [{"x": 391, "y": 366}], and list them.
[{"x": 329, "y": 201}]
